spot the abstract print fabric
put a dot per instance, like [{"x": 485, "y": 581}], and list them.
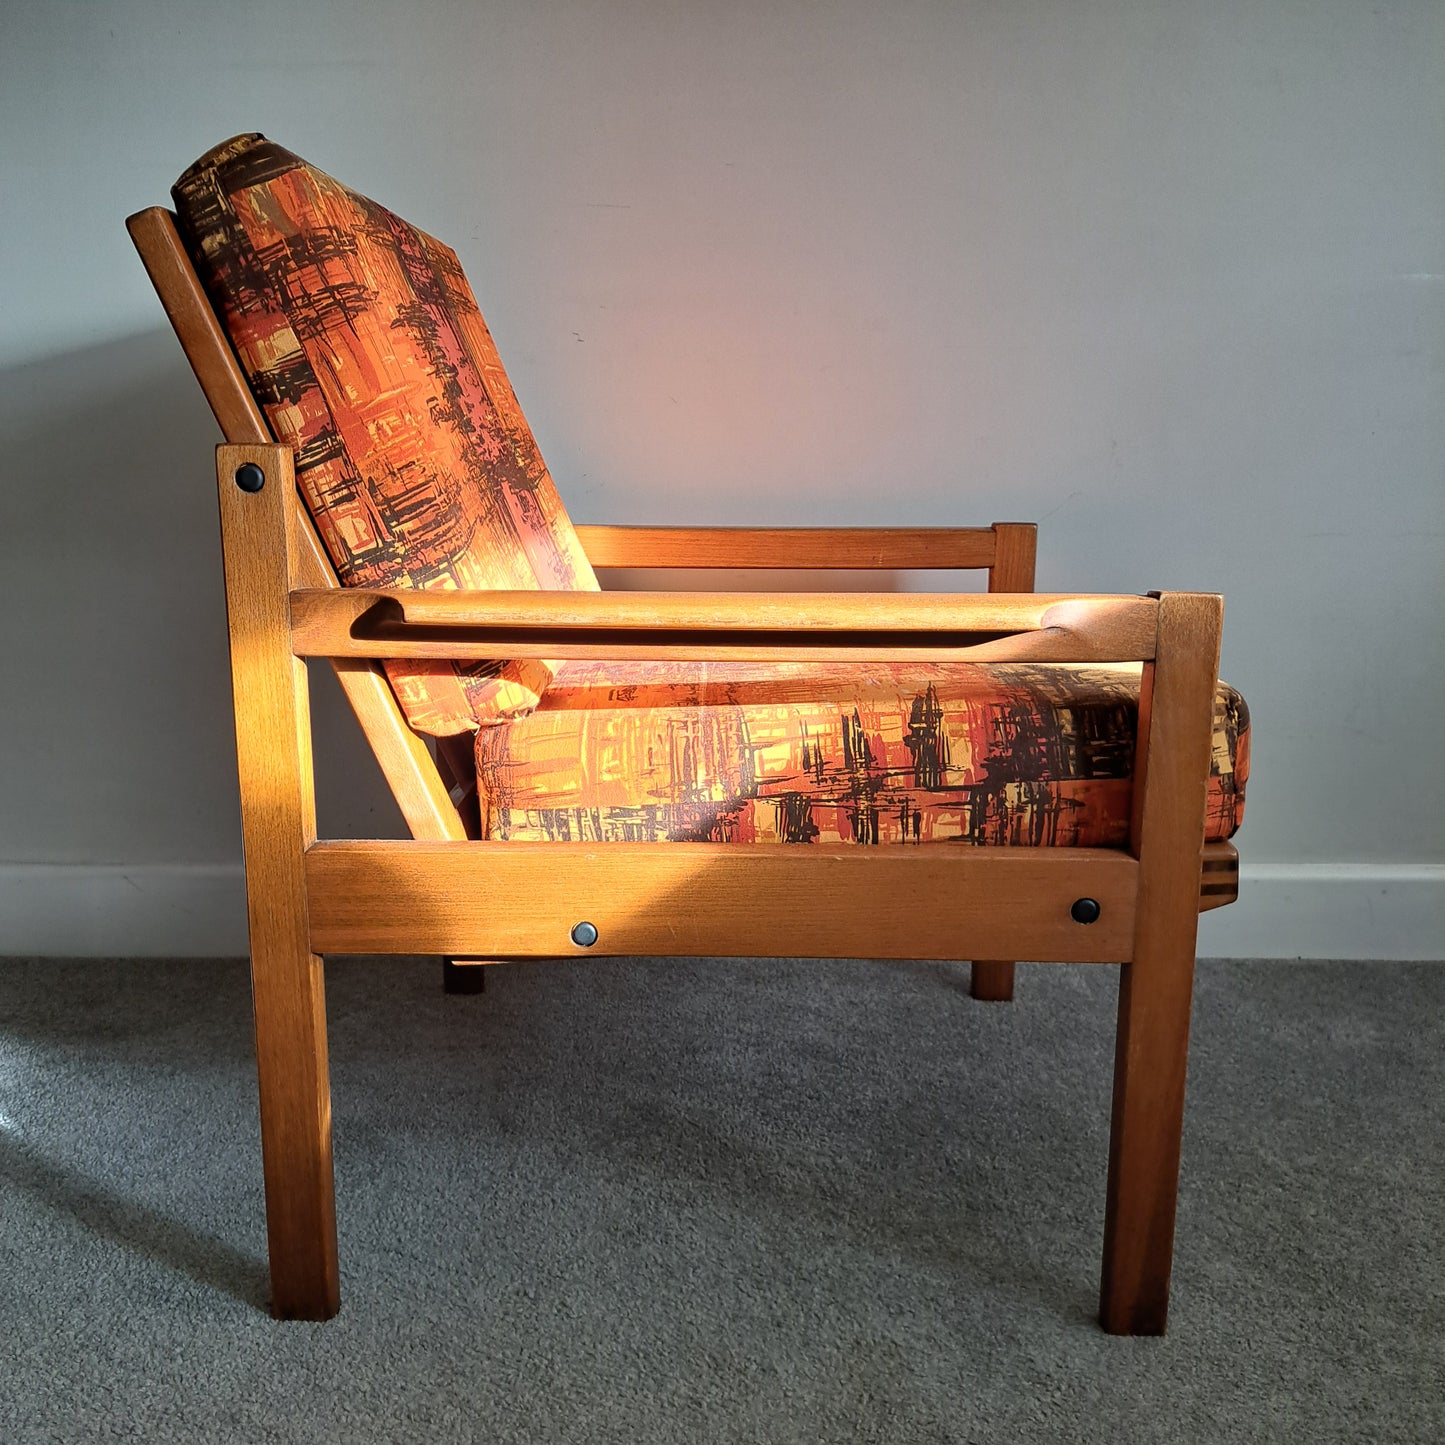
[
  {"x": 958, "y": 753},
  {"x": 364, "y": 348}
]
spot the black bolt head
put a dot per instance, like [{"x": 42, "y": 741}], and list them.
[
  {"x": 250, "y": 477},
  {"x": 1085, "y": 910}
]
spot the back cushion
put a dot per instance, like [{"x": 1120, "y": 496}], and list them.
[{"x": 364, "y": 348}]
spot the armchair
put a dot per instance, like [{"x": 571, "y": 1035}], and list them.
[{"x": 653, "y": 773}]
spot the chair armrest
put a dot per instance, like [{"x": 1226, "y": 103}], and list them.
[
  {"x": 802, "y": 548},
  {"x": 787, "y": 626}
]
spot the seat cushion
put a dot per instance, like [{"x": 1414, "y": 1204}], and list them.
[
  {"x": 362, "y": 343},
  {"x": 778, "y": 753}
]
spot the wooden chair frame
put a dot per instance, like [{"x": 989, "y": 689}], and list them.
[{"x": 446, "y": 893}]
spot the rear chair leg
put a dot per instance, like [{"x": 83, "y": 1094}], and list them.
[
  {"x": 1012, "y": 571},
  {"x": 456, "y": 762},
  {"x": 464, "y": 975},
  {"x": 992, "y": 981}
]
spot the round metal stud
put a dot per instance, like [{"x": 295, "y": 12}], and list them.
[
  {"x": 584, "y": 934},
  {"x": 250, "y": 477},
  {"x": 1085, "y": 910}
]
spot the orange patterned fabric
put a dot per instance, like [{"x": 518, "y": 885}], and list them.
[
  {"x": 363, "y": 345},
  {"x": 781, "y": 753}
]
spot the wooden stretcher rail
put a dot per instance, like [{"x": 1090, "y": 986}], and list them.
[
  {"x": 701, "y": 899},
  {"x": 995, "y": 627},
  {"x": 790, "y": 547}
]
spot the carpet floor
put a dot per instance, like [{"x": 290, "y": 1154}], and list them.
[{"x": 639, "y": 1202}]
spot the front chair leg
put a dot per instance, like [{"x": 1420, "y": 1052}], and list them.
[
  {"x": 1151, "y": 1052},
  {"x": 1151, "y": 1055},
  {"x": 278, "y": 822},
  {"x": 991, "y": 981},
  {"x": 295, "y": 1130}
]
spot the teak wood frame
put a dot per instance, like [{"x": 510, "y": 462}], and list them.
[{"x": 447, "y": 893}]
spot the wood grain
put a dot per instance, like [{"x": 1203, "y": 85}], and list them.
[
  {"x": 278, "y": 820},
  {"x": 209, "y": 352},
  {"x": 991, "y": 980},
  {"x": 1156, "y": 987},
  {"x": 1016, "y": 544},
  {"x": 800, "y": 548},
  {"x": 701, "y": 899},
  {"x": 690, "y": 626}
]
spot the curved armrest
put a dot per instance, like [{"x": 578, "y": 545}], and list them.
[{"x": 808, "y": 626}]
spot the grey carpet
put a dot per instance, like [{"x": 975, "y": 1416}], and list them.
[{"x": 759, "y": 1201}]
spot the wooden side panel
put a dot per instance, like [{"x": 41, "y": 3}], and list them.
[
  {"x": 700, "y": 899},
  {"x": 278, "y": 821}
]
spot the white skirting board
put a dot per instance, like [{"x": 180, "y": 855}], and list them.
[
  {"x": 1285, "y": 910},
  {"x": 1331, "y": 910}
]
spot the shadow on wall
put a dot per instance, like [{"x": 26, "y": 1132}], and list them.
[{"x": 117, "y": 733}]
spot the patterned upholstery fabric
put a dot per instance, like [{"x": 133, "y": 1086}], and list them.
[
  {"x": 999, "y": 754},
  {"x": 363, "y": 345}
]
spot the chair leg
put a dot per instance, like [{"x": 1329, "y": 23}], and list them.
[
  {"x": 463, "y": 975},
  {"x": 992, "y": 981},
  {"x": 1151, "y": 1052},
  {"x": 296, "y": 1131},
  {"x": 278, "y": 823},
  {"x": 1151, "y": 1056}
]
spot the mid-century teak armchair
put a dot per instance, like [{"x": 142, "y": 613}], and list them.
[{"x": 339, "y": 349}]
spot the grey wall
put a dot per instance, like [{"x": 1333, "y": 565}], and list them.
[{"x": 1165, "y": 277}]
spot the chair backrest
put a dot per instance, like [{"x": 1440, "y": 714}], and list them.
[
  {"x": 424, "y": 797},
  {"x": 361, "y": 343}
]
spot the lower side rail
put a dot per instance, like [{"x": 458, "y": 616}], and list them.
[{"x": 700, "y": 899}]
